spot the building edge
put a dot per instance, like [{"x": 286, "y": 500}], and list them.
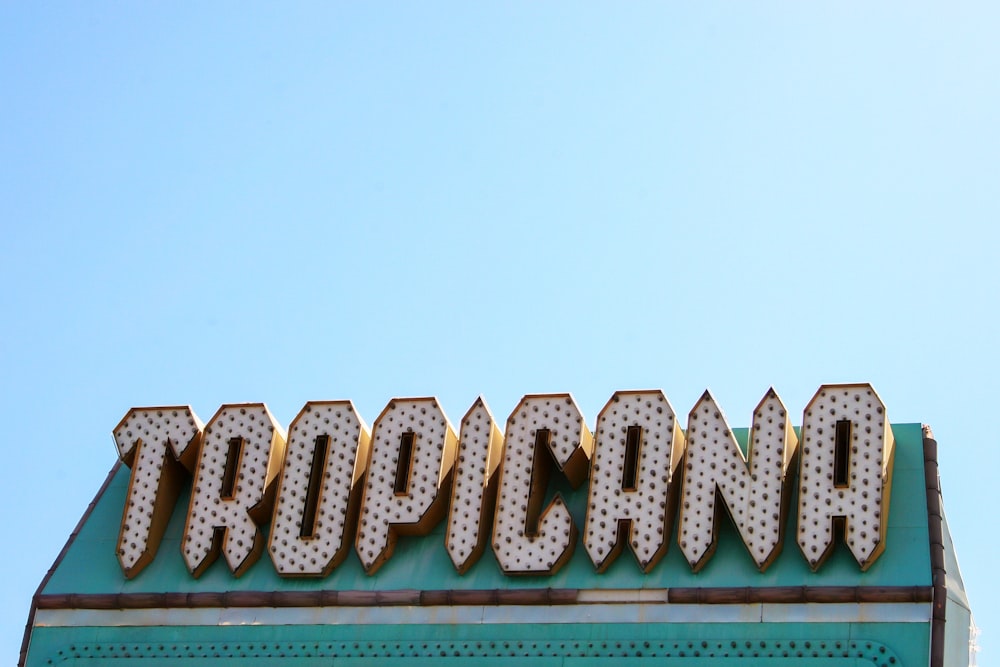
[{"x": 22, "y": 657}]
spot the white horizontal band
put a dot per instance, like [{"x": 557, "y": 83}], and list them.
[{"x": 866, "y": 612}]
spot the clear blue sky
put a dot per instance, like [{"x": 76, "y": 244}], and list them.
[{"x": 219, "y": 203}]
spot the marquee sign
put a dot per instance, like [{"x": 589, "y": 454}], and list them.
[{"x": 331, "y": 485}]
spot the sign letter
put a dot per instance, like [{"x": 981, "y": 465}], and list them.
[
  {"x": 319, "y": 492},
  {"x": 754, "y": 492},
  {"x": 474, "y": 493},
  {"x": 409, "y": 472},
  {"x": 845, "y": 473},
  {"x": 156, "y": 443},
  {"x": 541, "y": 431},
  {"x": 637, "y": 447},
  {"x": 233, "y": 488}
]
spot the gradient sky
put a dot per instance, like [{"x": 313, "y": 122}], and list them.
[{"x": 207, "y": 204}]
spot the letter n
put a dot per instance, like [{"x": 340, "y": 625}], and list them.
[{"x": 753, "y": 489}]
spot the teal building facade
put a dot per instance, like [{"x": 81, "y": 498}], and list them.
[{"x": 907, "y": 608}]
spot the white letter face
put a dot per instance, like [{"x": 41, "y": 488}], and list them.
[
  {"x": 845, "y": 473},
  {"x": 319, "y": 492},
  {"x": 233, "y": 487},
  {"x": 541, "y": 430},
  {"x": 473, "y": 498},
  {"x": 753, "y": 493},
  {"x": 406, "y": 492},
  {"x": 632, "y": 489},
  {"x": 156, "y": 443}
]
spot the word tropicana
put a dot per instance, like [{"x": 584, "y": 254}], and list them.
[{"x": 332, "y": 484}]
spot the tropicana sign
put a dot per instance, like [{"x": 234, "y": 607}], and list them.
[{"x": 331, "y": 484}]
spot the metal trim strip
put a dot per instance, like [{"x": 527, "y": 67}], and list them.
[{"x": 912, "y": 612}]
